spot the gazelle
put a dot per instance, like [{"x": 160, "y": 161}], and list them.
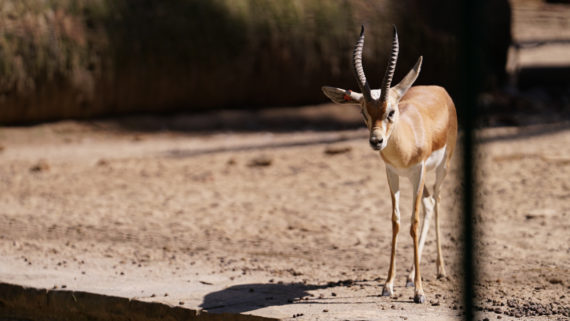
[{"x": 414, "y": 129}]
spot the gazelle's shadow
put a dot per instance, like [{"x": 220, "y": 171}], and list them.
[{"x": 248, "y": 297}]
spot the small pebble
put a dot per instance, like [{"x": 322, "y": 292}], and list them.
[
  {"x": 334, "y": 150},
  {"x": 40, "y": 166},
  {"x": 260, "y": 161},
  {"x": 555, "y": 281}
]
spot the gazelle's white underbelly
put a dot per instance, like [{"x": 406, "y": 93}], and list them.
[{"x": 434, "y": 160}]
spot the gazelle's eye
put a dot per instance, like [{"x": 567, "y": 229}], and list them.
[{"x": 391, "y": 114}]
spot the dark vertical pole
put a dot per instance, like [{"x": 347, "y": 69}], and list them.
[{"x": 469, "y": 69}]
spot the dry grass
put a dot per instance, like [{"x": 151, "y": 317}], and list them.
[{"x": 64, "y": 58}]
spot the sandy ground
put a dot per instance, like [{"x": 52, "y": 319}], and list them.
[{"x": 275, "y": 224}]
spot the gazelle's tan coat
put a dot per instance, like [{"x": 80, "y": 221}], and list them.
[{"x": 415, "y": 130}]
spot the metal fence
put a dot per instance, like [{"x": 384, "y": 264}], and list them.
[{"x": 469, "y": 76}]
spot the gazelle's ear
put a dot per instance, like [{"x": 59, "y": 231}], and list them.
[
  {"x": 341, "y": 96},
  {"x": 402, "y": 87}
]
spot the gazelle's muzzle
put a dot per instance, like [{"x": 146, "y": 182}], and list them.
[{"x": 377, "y": 139}]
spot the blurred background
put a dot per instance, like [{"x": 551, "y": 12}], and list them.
[{"x": 63, "y": 59}]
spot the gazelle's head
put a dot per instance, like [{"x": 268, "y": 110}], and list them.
[{"x": 379, "y": 107}]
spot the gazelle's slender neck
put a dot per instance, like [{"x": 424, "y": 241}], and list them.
[
  {"x": 390, "y": 154},
  {"x": 403, "y": 148}
]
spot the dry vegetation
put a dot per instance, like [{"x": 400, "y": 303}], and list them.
[{"x": 62, "y": 58}]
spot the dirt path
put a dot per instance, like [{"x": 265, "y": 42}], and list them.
[{"x": 274, "y": 224}]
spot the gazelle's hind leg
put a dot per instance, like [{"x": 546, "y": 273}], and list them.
[
  {"x": 427, "y": 209},
  {"x": 440, "y": 174}
]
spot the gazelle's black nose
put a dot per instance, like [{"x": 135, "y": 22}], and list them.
[{"x": 375, "y": 142}]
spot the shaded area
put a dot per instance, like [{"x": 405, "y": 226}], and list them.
[
  {"x": 530, "y": 106},
  {"x": 18, "y": 302},
  {"x": 531, "y": 43},
  {"x": 322, "y": 118},
  {"x": 184, "y": 153},
  {"x": 526, "y": 132},
  {"x": 544, "y": 76}
]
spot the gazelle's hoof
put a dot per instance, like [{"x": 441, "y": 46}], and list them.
[
  {"x": 441, "y": 274},
  {"x": 410, "y": 283},
  {"x": 387, "y": 291},
  {"x": 419, "y": 298}
]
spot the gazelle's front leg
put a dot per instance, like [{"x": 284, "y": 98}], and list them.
[
  {"x": 418, "y": 186},
  {"x": 394, "y": 183}
]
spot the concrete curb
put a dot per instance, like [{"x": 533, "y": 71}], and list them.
[{"x": 20, "y": 302}]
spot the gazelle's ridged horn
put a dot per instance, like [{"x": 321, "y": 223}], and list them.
[
  {"x": 387, "y": 81},
  {"x": 357, "y": 67}
]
